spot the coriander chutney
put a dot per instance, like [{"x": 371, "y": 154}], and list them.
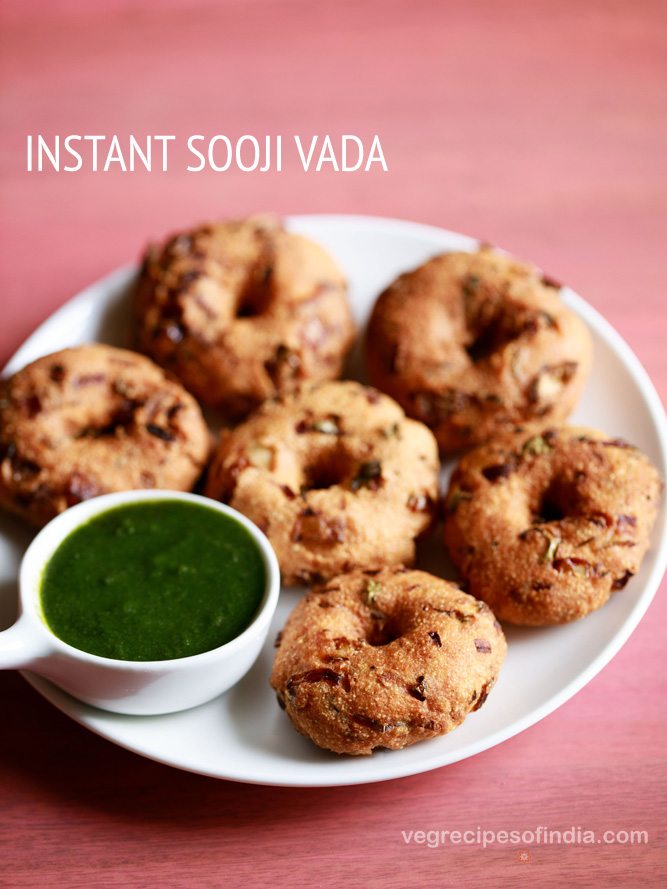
[{"x": 152, "y": 581}]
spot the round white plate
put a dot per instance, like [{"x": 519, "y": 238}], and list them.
[{"x": 243, "y": 735}]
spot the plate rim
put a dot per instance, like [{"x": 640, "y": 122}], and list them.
[{"x": 631, "y": 363}]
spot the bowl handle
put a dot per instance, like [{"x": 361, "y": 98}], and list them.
[{"x": 20, "y": 646}]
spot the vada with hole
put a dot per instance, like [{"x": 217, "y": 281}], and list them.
[
  {"x": 385, "y": 659},
  {"x": 92, "y": 420},
  {"x": 243, "y": 311},
  {"x": 545, "y": 526},
  {"x": 335, "y": 475},
  {"x": 474, "y": 343}
]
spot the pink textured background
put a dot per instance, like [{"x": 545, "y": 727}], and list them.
[{"x": 540, "y": 126}]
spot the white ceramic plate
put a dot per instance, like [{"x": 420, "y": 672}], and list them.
[{"x": 243, "y": 735}]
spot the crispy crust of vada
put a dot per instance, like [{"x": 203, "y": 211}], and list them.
[
  {"x": 544, "y": 527},
  {"x": 242, "y": 311},
  {"x": 336, "y": 477},
  {"x": 385, "y": 659},
  {"x": 474, "y": 343},
  {"x": 92, "y": 420}
]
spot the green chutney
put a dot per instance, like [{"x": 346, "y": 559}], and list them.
[{"x": 152, "y": 581}]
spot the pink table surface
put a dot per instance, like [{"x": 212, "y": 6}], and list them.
[{"x": 540, "y": 126}]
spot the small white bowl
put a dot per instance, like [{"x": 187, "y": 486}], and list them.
[{"x": 134, "y": 687}]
